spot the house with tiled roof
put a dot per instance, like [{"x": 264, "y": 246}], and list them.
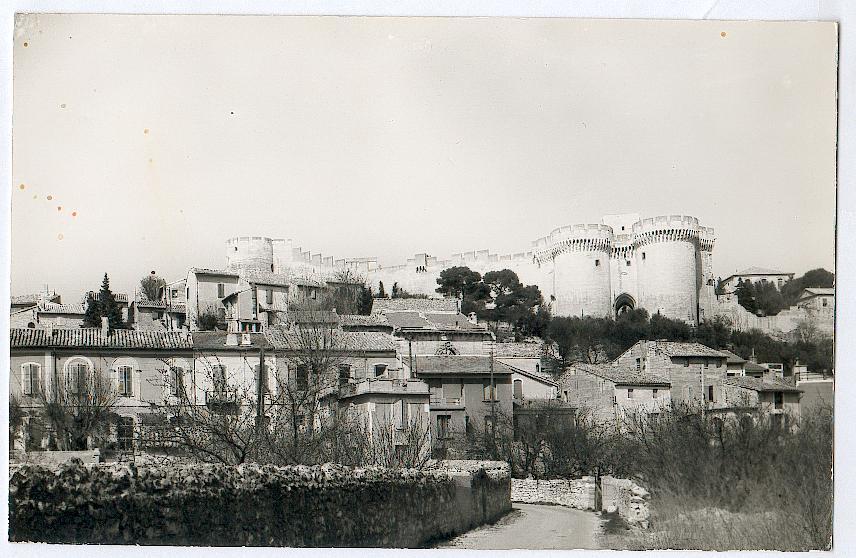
[
  {"x": 467, "y": 394},
  {"x": 613, "y": 391},
  {"x": 46, "y": 314},
  {"x": 771, "y": 396},
  {"x": 757, "y": 275},
  {"x": 168, "y": 311},
  {"x": 734, "y": 363},
  {"x": 20, "y": 302},
  {"x": 420, "y": 305},
  {"x": 817, "y": 299},
  {"x": 137, "y": 365},
  {"x": 691, "y": 368}
]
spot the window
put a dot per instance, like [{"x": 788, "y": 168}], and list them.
[
  {"x": 269, "y": 296},
  {"x": 313, "y": 294},
  {"x": 706, "y": 363},
  {"x": 597, "y": 263},
  {"x": 643, "y": 255},
  {"x": 779, "y": 399},
  {"x": 443, "y": 426},
  {"x": 344, "y": 374},
  {"x": 77, "y": 377},
  {"x": 825, "y": 302},
  {"x": 638, "y": 364},
  {"x": 30, "y": 378},
  {"x": 126, "y": 380},
  {"x": 488, "y": 425},
  {"x": 537, "y": 368},
  {"x": 629, "y": 393},
  {"x": 379, "y": 370},
  {"x": 710, "y": 394},
  {"x": 177, "y": 381},
  {"x": 518, "y": 389},
  {"x": 302, "y": 377},
  {"x": 31, "y": 325},
  {"x": 779, "y": 281},
  {"x": 187, "y": 293},
  {"x": 687, "y": 363},
  {"x": 125, "y": 433},
  {"x": 489, "y": 391},
  {"x": 221, "y": 290},
  {"x": 627, "y": 263}
]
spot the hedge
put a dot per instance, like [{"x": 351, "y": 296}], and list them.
[{"x": 247, "y": 505}]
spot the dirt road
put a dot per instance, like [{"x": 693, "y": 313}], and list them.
[{"x": 533, "y": 526}]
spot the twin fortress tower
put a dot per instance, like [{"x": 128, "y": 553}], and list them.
[{"x": 663, "y": 264}]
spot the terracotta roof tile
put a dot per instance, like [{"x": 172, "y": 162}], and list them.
[
  {"x": 94, "y": 338},
  {"x": 458, "y": 365},
  {"x": 297, "y": 338},
  {"x": 622, "y": 375},
  {"x": 679, "y": 349},
  {"x": 387, "y": 305}
]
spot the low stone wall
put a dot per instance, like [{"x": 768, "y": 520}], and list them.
[
  {"x": 218, "y": 505},
  {"x": 53, "y": 459},
  {"x": 627, "y": 498},
  {"x": 579, "y": 493}
]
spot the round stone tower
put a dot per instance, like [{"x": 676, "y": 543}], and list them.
[
  {"x": 253, "y": 253},
  {"x": 667, "y": 256},
  {"x": 579, "y": 258}
]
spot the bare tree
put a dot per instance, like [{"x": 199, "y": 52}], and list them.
[{"x": 78, "y": 406}]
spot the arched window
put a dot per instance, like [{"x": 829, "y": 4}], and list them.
[
  {"x": 31, "y": 325},
  {"x": 77, "y": 376},
  {"x": 126, "y": 380},
  {"x": 30, "y": 374}
]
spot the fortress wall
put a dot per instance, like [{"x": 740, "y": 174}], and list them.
[
  {"x": 249, "y": 252},
  {"x": 667, "y": 248},
  {"x": 624, "y": 278}
]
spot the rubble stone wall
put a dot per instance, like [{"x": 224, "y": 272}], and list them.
[
  {"x": 251, "y": 505},
  {"x": 578, "y": 493},
  {"x": 628, "y": 498}
]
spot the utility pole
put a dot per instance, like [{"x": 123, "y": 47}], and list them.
[
  {"x": 492, "y": 405},
  {"x": 261, "y": 383}
]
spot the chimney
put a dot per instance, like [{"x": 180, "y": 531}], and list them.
[{"x": 105, "y": 327}]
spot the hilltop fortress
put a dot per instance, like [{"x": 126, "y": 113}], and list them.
[{"x": 662, "y": 264}]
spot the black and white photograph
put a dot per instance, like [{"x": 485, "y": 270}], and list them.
[{"x": 457, "y": 283}]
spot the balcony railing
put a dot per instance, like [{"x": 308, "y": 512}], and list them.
[{"x": 384, "y": 385}]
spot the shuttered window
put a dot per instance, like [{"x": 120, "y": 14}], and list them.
[
  {"x": 77, "y": 376},
  {"x": 177, "y": 381},
  {"x": 30, "y": 373},
  {"x": 126, "y": 380}
]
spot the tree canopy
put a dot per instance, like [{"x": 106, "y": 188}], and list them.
[
  {"x": 150, "y": 286},
  {"x": 103, "y": 305}
]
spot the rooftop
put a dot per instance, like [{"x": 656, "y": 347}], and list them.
[
  {"x": 216, "y": 340},
  {"x": 297, "y": 338},
  {"x": 54, "y": 308},
  {"x": 518, "y": 350},
  {"x": 458, "y": 366},
  {"x": 313, "y": 317},
  {"x": 680, "y": 349},
  {"x": 733, "y": 358},
  {"x": 818, "y": 291},
  {"x": 73, "y": 338},
  {"x": 757, "y": 384},
  {"x": 433, "y": 305},
  {"x": 620, "y": 375},
  {"x": 358, "y": 320},
  {"x": 34, "y": 298},
  {"x": 759, "y": 271}
]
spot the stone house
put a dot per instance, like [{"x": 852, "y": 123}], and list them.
[
  {"x": 135, "y": 363},
  {"x": 20, "y": 302},
  {"x": 612, "y": 392},
  {"x": 468, "y": 396},
  {"x": 47, "y": 314},
  {"x": 734, "y": 364},
  {"x": 818, "y": 299},
  {"x": 692, "y": 369},
  {"x": 757, "y": 275},
  {"x": 771, "y": 396}
]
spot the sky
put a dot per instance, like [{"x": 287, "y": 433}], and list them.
[{"x": 141, "y": 143}]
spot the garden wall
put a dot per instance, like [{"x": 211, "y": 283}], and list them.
[
  {"x": 218, "y": 505},
  {"x": 578, "y": 493},
  {"x": 630, "y": 500}
]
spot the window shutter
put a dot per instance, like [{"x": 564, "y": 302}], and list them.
[
  {"x": 25, "y": 380},
  {"x": 116, "y": 380},
  {"x": 136, "y": 384}
]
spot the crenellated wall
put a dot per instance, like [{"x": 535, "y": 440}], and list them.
[{"x": 663, "y": 264}]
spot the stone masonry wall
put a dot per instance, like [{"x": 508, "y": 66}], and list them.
[
  {"x": 251, "y": 505},
  {"x": 627, "y": 498},
  {"x": 579, "y": 494}
]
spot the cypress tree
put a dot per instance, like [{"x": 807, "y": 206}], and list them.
[{"x": 103, "y": 305}]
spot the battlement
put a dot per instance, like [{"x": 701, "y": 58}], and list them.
[{"x": 666, "y": 222}]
